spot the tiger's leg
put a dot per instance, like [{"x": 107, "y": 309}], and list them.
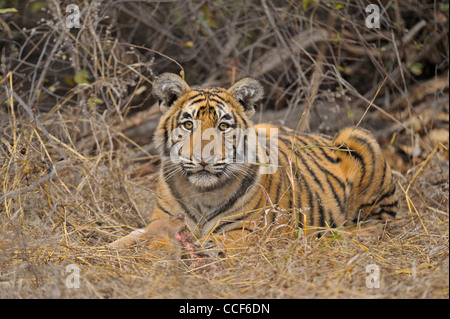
[
  {"x": 222, "y": 245},
  {"x": 162, "y": 228}
]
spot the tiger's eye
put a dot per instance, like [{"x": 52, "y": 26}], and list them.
[
  {"x": 223, "y": 126},
  {"x": 188, "y": 125}
]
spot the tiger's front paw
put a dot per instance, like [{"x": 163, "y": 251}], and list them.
[{"x": 209, "y": 249}]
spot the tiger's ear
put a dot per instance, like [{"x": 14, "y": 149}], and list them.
[
  {"x": 168, "y": 88},
  {"x": 247, "y": 92}
]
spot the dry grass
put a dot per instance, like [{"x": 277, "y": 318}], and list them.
[
  {"x": 67, "y": 219},
  {"x": 77, "y": 168}
]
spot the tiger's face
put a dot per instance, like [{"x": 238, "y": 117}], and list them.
[
  {"x": 200, "y": 135},
  {"x": 201, "y": 139}
]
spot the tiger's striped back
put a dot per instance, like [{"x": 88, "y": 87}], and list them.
[{"x": 330, "y": 182}]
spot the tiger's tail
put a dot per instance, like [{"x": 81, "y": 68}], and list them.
[{"x": 369, "y": 176}]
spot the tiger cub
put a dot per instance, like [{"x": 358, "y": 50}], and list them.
[{"x": 223, "y": 177}]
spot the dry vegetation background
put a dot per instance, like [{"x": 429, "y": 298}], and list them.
[{"x": 77, "y": 167}]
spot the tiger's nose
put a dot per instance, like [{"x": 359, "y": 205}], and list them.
[{"x": 204, "y": 160}]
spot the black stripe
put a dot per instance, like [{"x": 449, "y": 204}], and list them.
[
  {"x": 223, "y": 224},
  {"x": 282, "y": 176},
  {"x": 234, "y": 117},
  {"x": 186, "y": 115},
  {"x": 328, "y": 173},
  {"x": 333, "y": 191},
  {"x": 370, "y": 150},
  {"x": 218, "y": 228},
  {"x": 322, "y": 148},
  {"x": 174, "y": 122},
  {"x": 291, "y": 202},
  {"x": 243, "y": 205},
  {"x": 310, "y": 170},
  {"x": 393, "y": 204},
  {"x": 385, "y": 195},
  {"x": 360, "y": 159},
  {"x": 316, "y": 179},
  {"x": 326, "y": 137},
  {"x": 286, "y": 141},
  {"x": 273, "y": 216},
  {"x": 177, "y": 196},
  {"x": 320, "y": 211},
  {"x": 166, "y": 148},
  {"x": 389, "y": 212},
  {"x": 217, "y": 101},
  {"x": 162, "y": 208},
  {"x": 245, "y": 123},
  {"x": 195, "y": 101},
  {"x": 259, "y": 204},
  {"x": 300, "y": 186},
  {"x": 248, "y": 181},
  {"x": 284, "y": 129},
  {"x": 216, "y": 93},
  {"x": 306, "y": 145},
  {"x": 220, "y": 106},
  {"x": 269, "y": 191},
  {"x": 331, "y": 223},
  {"x": 277, "y": 192},
  {"x": 227, "y": 117},
  {"x": 311, "y": 207},
  {"x": 381, "y": 186}
]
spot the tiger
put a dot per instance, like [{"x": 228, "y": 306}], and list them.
[{"x": 321, "y": 182}]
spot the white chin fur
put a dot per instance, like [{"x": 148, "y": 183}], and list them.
[{"x": 203, "y": 180}]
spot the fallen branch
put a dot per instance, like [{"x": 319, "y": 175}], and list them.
[{"x": 276, "y": 57}]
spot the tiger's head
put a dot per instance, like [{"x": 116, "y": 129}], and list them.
[{"x": 200, "y": 131}]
